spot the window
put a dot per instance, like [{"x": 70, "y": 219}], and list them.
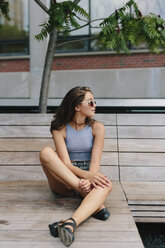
[
  {"x": 102, "y": 9},
  {"x": 14, "y": 34}
]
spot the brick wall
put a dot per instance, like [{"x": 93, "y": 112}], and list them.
[
  {"x": 14, "y": 65},
  {"x": 109, "y": 61}
]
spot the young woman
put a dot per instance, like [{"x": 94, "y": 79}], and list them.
[{"x": 75, "y": 165}]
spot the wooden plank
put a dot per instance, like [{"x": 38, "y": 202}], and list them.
[
  {"x": 25, "y": 132},
  {"x": 141, "y": 119},
  {"x": 140, "y": 132},
  {"x": 88, "y": 236},
  {"x": 41, "y": 132},
  {"x": 148, "y": 214},
  {"x": 142, "y": 173},
  {"x": 106, "y": 119},
  {"x": 19, "y": 158},
  {"x": 147, "y": 208},
  {"x": 76, "y": 244},
  {"x": 19, "y": 172},
  {"x": 40, "y": 222},
  {"x": 28, "y": 145},
  {"x": 58, "y": 244},
  {"x": 156, "y": 202},
  {"x": 15, "y": 144},
  {"x": 51, "y": 201},
  {"x": 25, "y": 119},
  {"x": 149, "y": 220},
  {"x": 32, "y": 158},
  {"x": 142, "y": 159},
  {"x": 112, "y": 172},
  {"x": 45, "y": 119},
  {"x": 110, "y": 132},
  {"x": 145, "y": 193},
  {"x": 116, "y": 207},
  {"x": 141, "y": 145},
  {"x": 37, "y": 191},
  {"x": 145, "y": 188},
  {"x": 109, "y": 158},
  {"x": 59, "y": 204}
]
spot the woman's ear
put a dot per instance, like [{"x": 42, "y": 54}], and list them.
[{"x": 77, "y": 108}]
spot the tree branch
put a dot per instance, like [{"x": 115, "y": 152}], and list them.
[
  {"x": 81, "y": 19},
  {"x": 95, "y": 27},
  {"x": 88, "y": 23},
  {"x": 42, "y": 6},
  {"x": 73, "y": 41},
  {"x": 61, "y": 32},
  {"x": 94, "y": 20},
  {"x": 45, "y": 8}
]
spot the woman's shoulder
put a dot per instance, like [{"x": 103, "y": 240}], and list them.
[
  {"x": 59, "y": 132},
  {"x": 97, "y": 127}
]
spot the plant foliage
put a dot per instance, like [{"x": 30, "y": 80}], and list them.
[
  {"x": 4, "y": 8},
  {"x": 63, "y": 16},
  {"x": 127, "y": 26}
]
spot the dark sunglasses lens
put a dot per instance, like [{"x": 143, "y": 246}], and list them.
[{"x": 91, "y": 103}]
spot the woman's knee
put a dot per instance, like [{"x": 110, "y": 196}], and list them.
[
  {"x": 108, "y": 189},
  {"x": 45, "y": 154}
]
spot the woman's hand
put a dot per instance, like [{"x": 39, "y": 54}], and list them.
[
  {"x": 98, "y": 179},
  {"x": 85, "y": 185}
]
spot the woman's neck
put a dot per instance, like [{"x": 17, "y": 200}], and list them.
[{"x": 78, "y": 123}]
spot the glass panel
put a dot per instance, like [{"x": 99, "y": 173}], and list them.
[
  {"x": 80, "y": 46},
  {"x": 146, "y": 7},
  {"x": 79, "y": 34},
  {"x": 103, "y": 9},
  {"x": 154, "y": 6},
  {"x": 83, "y": 31},
  {"x": 14, "y": 33}
]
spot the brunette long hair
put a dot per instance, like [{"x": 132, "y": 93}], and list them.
[{"x": 66, "y": 111}]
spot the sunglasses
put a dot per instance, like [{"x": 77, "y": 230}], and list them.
[{"x": 90, "y": 103}]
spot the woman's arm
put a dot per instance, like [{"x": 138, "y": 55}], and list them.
[
  {"x": 99, "y": 134},
  {"x": 94, "y": 176}
]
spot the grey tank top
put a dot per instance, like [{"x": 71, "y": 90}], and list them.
[{"x": 79, "y": 143}]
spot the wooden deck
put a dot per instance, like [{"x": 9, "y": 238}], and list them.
[
  {"x": 133, "y": 158},
  {"x": 27, "y": 207}
]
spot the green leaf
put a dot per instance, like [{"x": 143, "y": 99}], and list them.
[
  {"x": 125, "y": 27},
  {"x": 64, "y": 17},
  {"x": 4, "y": 9}
]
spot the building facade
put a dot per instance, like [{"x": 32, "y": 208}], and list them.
[{"x": 116, "y": 80}]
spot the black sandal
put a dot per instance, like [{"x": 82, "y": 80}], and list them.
[
  {"x": 103, "y": 214},
  {"x": 65, "y": 233},
  {"x": 54, "y": 229}
]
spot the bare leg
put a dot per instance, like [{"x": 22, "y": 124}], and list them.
[
  {"x": 91, "y": 203},
  {"x": 57, "y": 185},
  {"x": 59, "y": 172},
  {"x": 94, "y": 199}
]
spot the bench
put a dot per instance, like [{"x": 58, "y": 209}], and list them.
[
  {"x": 27, "y": 205},
  {"x": 141, "y": 147},
  {"x": 133, "y": 158}
]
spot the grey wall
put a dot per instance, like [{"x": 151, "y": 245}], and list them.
[{"x": 111, "y": 87}]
